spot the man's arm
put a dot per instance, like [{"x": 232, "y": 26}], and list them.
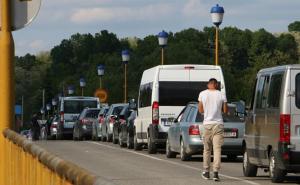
[
  {"x": 200, "y": 107},
  {"x": 225, "y": 107}
]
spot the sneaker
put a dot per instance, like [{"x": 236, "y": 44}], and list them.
[
  {"x": 205, "y": 175},
  {"x": 216, "y": 176}
]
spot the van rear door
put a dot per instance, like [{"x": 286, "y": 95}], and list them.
[{"x": 295, "y": 108}]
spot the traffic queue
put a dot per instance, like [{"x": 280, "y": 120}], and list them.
[{"x": 166, "y": 116}]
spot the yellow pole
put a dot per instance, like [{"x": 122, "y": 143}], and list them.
[
  {"x": 217, "y": 46},
  {"x": 162, "y": 56},
  {"x": 125, "y": 82},
  {"x": 6, "y": 79}
]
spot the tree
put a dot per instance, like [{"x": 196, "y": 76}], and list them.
[{"x": 295, "y": 26}]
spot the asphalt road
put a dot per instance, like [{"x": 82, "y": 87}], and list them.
[{"x": 128, "y": 167}]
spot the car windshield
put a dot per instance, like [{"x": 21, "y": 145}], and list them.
[
  {"x": 92, "y": 113},
  {"x": 179, "y": 93},
  {"x": 76, "y": 106}
]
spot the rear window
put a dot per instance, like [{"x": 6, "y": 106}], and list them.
[
  {"x": 92, "y": 114},
  {"x": 298, "y": 90},
  {"x": 274, "y": 90},
  {"x": 76, "y": 106},
  {"x": 179, "y": 93},
  {"x": 117, "y": 110}
]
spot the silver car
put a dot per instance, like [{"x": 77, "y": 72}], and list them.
[
  {"x": 110, "y": 119},
  {"x": 97, "y": 124},
  {"x": 184, "y": 135},
  {"x": 53, "y": 127}
]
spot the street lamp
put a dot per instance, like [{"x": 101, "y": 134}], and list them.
[
  {"x": 54, "y": 103},
  {"x": 125, "y": 60},
  {"x": 162, "y": 41},
  {"x": 100, "y": 70},
  {"x": 42, "y": 112},
  {"x": 70, "y": 90},
  {"x": 82, "y": 84},
  {"x": 48, "y": 107},
  {"x": 217, "y": 13}
]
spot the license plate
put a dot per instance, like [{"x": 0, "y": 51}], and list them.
[
  {"x": 68, "y": 125},
  {"x": 229, "y": 134},
  {"x": 166, "y": 122}
]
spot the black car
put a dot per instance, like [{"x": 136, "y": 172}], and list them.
[{"x": 83, "y": 125}]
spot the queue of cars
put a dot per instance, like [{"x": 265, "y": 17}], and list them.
[{"x": 166, "y": 115}]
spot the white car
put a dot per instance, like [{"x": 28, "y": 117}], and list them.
[{"x": 164, "y": 91}]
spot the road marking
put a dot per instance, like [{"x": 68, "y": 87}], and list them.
[{"x": 172, "y": 162}]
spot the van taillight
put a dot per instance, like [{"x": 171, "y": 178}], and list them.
[
  {"x": 155, "y": 113},
  {"x": 62, "y": 117},
  {"x": 285, "y": 128},
  {"x": 194, "y": 130}
]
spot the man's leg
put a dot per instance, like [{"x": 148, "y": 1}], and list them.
[
  {"x": 218, "y": 139},
  {"x": 207, "y": 147}
]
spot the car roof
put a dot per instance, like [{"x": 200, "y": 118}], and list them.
[
  {"x": 278, "y": 68},
  {"x": 79, "y": 98}
]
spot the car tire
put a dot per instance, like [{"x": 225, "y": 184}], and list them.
[
  {"x": 169, "y": 152},
  {"x": 121, "y": 143},
  {"x": 151, "y": 146},
  {"x": 109, "y": 138},
  {"x": 183, "y": 155},
  {"x": 129, "y": 142},
  {"x": 136, "y": 146},
  {"x": 232, "y": 157},
  {"x": 114, "y": 138},
  {"x": 103, "y": 138},
  {"x": 277, "y": 175},
  {"x": 59, "y": 136},
  {"x": 249, "y": 169}
]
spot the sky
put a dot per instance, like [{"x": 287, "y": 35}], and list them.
[{"x": 59, "y": 19}]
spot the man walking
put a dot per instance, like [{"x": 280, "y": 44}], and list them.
[{"x": 212, "y": 102}]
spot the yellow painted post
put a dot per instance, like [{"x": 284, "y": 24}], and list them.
[
  {"x": 162, "y": 56},
  {"x": 125, "y": 82},
  {"x": 217, "y": 46},
  {"x": 6, "y": 79}
]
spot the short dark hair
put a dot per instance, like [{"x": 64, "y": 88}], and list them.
[{"x": 213, "y": 80}]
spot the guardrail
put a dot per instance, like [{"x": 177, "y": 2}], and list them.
[{"x": 28, "y": 164}]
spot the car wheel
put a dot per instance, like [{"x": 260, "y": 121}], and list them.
[
  {"x": 114, "y": 138},
  {"x": 151, "y": 146},
  {"x": 249, "y": 169},
  {"x": 137, "y": 146},
  {"x": 96, "y": 135},
  {"x": 121, "y": 143},
  {"x": 183, "y": 155},
  {"x": 232, "y": 157},
  {"x": 277, "y": 175},
  {"x": 129, "y": 141},
  {"x": 169, "y": 152}
]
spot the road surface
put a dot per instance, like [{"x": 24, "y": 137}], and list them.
[{"x": 128, "y": 167}]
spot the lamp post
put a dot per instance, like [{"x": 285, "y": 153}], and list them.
[
  {"x": 43, "y": 113},
  {"x": 48, "y": 107},
  {"x": 125, "y": 60},
  {"x": 100, "y": 70},
  {"x": 162, "y": 41},
  {"x": 54, "y": 103},
  {"x": 217, "y": 13},
  {"x": 70, "y": 90},
  {"x": 82, "y": 84}
]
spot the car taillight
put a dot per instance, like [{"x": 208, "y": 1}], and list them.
[
  {"x": 100, "y": 119},
  {"x": 155, "y": 113},
  {"x": 62, "y": 117},
  {"x": 194, "y": 130},
  {"x": 122, "y": 121},
  {"x": 53, "y": 126},
  {"x": 285, "y": 128},
  {"x": 111, "y": 120},
  {"x": 84, "y": 121}
]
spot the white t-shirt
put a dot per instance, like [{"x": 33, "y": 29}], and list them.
[{"x": 212, "y": 101}]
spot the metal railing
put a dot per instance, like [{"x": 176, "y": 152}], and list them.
[{"x": 28, "y": 164}]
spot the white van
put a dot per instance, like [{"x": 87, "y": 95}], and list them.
[
  {"x": 164, "y": 92},
  {"x": 69, "y": 110}
]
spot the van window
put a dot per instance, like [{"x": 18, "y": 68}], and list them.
[
  {"x": 179, "y": 93},
  {"x": 76, "y": 106},
  {"x": 298, "y": 90},
  {"x": 145, "y": 95},
  {"x": 274, "y": 90},
  {"x": 261, "y": 92}
]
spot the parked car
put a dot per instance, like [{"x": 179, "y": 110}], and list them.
[
  {"x": 53, "y": 127},
  {"x": 126, "y": 131},
  {"x": 110, "y": 119},
  {"x": 83, "y": 125},
  {"x": 120, "y": 119},
  {"x": 185, "y": 134},
  {"x": 69, "y": 110},
  {"x": 97, "y": 124},
  {"x": 272, "y": 134},
  {"x": 164, "y": 92}
]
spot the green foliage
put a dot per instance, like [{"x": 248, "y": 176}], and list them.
[
  {"x": 295, "y": 26},
  {"x": 242, "y": 54}
]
